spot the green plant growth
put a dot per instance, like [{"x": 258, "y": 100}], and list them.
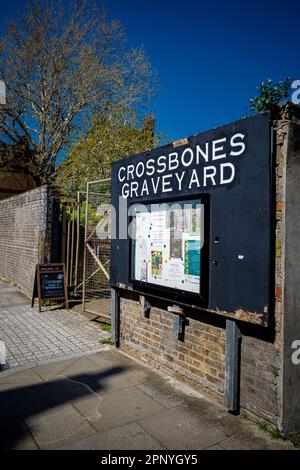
[
  {"x": 106, "y": 341},
  {"x": 105, "y": 327},
  {"x": 52, "y": 303},
  {"x": 270, "y": 95},
  {"x": 272, "y": 432}
]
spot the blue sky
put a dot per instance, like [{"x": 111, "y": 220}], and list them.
[{"x": 210, "y": 55}]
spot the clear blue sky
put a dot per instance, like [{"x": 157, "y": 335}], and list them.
[{"x": 210, "y": 55}]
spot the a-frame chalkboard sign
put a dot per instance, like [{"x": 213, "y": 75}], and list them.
[{"x": 50, "y": 283}]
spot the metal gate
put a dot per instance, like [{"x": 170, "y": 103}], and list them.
[
  {"x": 72, "y": 222},
  {"x": 96, "y": 293}
]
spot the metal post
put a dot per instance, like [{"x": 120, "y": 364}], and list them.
[
  {"x": 232, "y": 365},
  {"x": 63, "y": 238},
  {"x": 68, "y": 250},
  {"x": 77, "y": 238},
  {"x": 85, "y": 242},
  {"x": 72, "y": 244},
  {"x": 115, "y": 318}
]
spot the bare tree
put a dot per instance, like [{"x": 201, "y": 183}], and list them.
[{"x": 61, "y": 66}]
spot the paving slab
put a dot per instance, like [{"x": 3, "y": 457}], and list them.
[
  {"x": 57, "y": 424},
  {"x": 178, "y": 428},
  {"x": 246, "y": 440},
  {"x": 212, "y": 415},
  {"x": 81, "y": 444},
  {"x": 125, "y": 406},
  {"x": 14, "y": 435},
  {"x": 162, "y": 392},
  {"x": 22, "y": 401},
  {"x": 25, "y": 376},
  {"x": 106, "y": 370},
  {"x": 127, "y": 437},
  {"x": 11, "y": 296},
  {"x": 51, "y": 370}
]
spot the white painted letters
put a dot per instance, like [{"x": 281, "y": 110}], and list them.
[
  {"x": 229, "y": 179},
  {"x": 240, "y": 144}
]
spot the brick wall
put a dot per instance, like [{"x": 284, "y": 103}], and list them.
[
  {"x": 260, "y": 369},
  {"x": 25, "y": 235},
  {"x": 199, "y": 359}
]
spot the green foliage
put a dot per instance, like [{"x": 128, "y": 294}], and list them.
[
  {"x": 270, "y": 95},
  {"x": 272, "y": 432},
  {"x": 52, "y": 303},
  {"x": 106, "y": 341},
  {"x": 105, "y": 327},
  {"x": 117, "y": 135}
]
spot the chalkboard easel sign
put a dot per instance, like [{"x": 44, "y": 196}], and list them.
[{"x": 50, "y": 283}]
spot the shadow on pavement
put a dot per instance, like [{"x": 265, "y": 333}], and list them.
[{"x": 19, "y": 404}]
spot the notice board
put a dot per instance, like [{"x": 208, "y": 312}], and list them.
[
  {"x": 229, "y": 172},
  {"x": 166, "y": 247}
]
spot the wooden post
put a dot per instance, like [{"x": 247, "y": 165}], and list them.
[{"x": 232, "y": 365}]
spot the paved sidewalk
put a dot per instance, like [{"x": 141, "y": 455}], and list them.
[
  {"x": 11, "y": 296},
  {"x": 107, "y": 401},
  {"x": 31, "y": 337}
]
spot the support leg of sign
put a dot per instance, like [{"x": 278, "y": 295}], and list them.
[
  {"x": 34, "y": 290},
  {"x": 39, "y": 288},
  {"x": 232, "y": 365},
  {"x": 115, "y": 317},
  {"x": 179, "y": 321},
  {"x": 178, "y": 325},
  {"x": 145, "y": 306}
]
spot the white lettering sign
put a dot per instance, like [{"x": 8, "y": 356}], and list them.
[{"x": 207, "y": 162}]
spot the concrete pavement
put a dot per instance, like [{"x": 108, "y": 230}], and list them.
[
  {"x": 109, "y": 401},
  {"x": 11, "y": 296}
]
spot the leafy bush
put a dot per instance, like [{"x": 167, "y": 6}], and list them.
[{"x": 270, "y": 96}]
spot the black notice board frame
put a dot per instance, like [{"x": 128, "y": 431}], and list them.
[{"x": 46, "y": 269}]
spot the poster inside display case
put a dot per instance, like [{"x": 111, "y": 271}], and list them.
[{"x": 166, "y": 244}]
